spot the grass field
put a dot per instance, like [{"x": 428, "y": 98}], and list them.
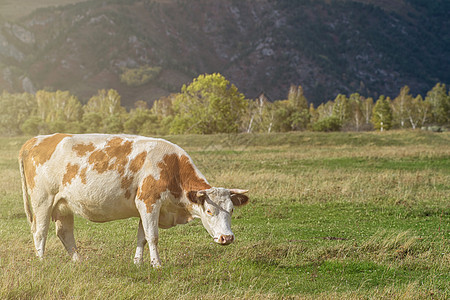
[{"x": 332, "y": 216}]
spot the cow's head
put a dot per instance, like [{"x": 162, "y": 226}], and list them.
[{"x": 215, "y": 207}]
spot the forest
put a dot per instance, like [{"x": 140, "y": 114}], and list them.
[{"x": 211, "y": 104}]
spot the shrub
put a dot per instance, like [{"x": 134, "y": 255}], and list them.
[
  {"x": 327, "y": 124},
  {"x": 139, "y": 76},
  {"x": 34, "y": 126}
]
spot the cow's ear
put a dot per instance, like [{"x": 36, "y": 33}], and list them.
[
  {"x": 238, "y": 198},
  {"x": 197, "y": 197}
]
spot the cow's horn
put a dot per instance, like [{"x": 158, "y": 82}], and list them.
[
  {"x": 238, "y": 191},
  {"x": 201, "y": 194}
]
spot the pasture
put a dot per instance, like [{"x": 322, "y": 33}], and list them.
[{"x": 331, "y": 216}]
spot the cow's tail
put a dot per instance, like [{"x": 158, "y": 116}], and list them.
[{"x": 26, "y": 197}]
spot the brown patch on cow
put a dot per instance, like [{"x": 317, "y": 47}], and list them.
[
  {"x": 82, "y": 149},
  {"x": 125, "y": 184},
  {"x": 149, "y": 192},
  {"x": 44, "y": 150},
  {"x": 27, "y": 147},
  {"x": 137, "y": 163},
  {"x": 34, "y": 155},
  {"x": 120, "y": 151},
  {"x": 26, "y": 159},
  {"x": 190, "y": 180},
  {"x": 71, "y": 172},
  {"x": 177, "y": 174},
  {"x": 113, "y": 157},
  {"x": 83, "y": 176},
  {"x": 99, "y": 160}
]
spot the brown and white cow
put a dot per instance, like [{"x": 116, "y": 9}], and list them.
[{"x": 108, "y": 177}]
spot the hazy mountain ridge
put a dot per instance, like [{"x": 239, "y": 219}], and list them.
[{"x": 328, "y": 47}]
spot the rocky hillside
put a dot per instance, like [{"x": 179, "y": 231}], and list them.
[{"x": 327, "y": 46}]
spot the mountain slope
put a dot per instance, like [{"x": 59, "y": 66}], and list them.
[{"x": 328, "y": 47}]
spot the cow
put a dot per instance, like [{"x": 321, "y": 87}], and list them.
[{"x": 104, "y": 177}]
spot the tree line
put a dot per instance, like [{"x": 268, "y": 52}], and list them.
[{"x": 211, "y": 104}]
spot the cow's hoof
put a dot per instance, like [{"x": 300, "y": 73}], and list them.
[
  {"x": 76, "y": 258},
  {"x": 156, "y": 265},
  {"x": 138, "y": 261}
]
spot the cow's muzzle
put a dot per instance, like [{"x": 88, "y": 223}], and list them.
[{"x": 225, "y": 239}]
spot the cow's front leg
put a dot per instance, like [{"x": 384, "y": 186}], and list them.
[
  {"x": 150, "y": 226},
  {"x": 141, "y": 241}
]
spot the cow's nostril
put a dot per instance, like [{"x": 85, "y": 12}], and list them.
[{"x": 226, "y": 239}]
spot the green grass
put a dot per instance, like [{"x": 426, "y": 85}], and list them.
[{"x": 334, "y": 216}]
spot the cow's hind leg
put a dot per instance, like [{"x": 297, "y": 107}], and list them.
[
  {"x": 40, "y": 224},
  {"x": 141, "y": 241},
  {"x": 64, "y": 231}
]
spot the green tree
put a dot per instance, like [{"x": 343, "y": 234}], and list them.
[
  {"x": 261, "y": 115},
  {"x": 314, "y": 115},
  {"x": 34, "y": 125},
  {"x": 291, "y": 114},
  {"x": 93, "y": 122},
  {"x": 15, "y": 109},
  {"x": 255, "y": 118},
  {"x": 163, "y": 107},
  {"x": 210, "y": 104},
  {"x": 269, "y": 116},
  {"x": 163, "y": 110},
  {"x": 418, "y": 111},
  {"x": 106, "y": 103},
  {"x": 104, "y": 113},
  {"x": 298, "y": 109},
  {"x": 399, "y": 106},
  {"x": 113, "y": 123},
  {"x": 440, "y": 104},
  {"x": 283, "y": 120},
  {"x": 60, "y": 110},
  {"x": 325, "y": 110},
  {"x": 341, "y": 108},
  {"x": 366, "y": 110},
  {"x": 356, "y": 116},
  {"x": 382, "y": 114},
  {"x": 58, "y": 106},
  {"x": 143, "y": 122},
  {"x": 325, "y": 118}
]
